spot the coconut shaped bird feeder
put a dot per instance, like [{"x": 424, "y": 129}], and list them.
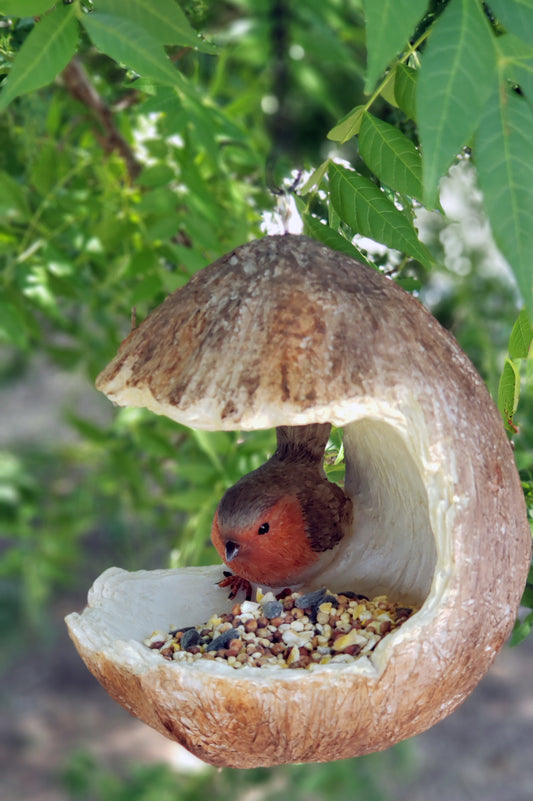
[{"x": 286, "y": 332}]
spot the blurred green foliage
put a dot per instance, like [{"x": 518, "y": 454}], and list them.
[{"x": 86, "y": 780}]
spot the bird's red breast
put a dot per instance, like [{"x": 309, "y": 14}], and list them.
[{"x": 282, "y": 520}]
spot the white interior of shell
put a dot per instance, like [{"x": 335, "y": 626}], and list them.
[{"x": 401, "y": 547}]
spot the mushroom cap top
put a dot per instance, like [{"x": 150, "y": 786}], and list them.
[{"x": 282, "y": 330}]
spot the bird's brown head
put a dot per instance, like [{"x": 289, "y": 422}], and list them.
[{"x": 266, "y": 542}]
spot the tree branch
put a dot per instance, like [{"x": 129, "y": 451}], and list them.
[{"x": 79, "y": 85}]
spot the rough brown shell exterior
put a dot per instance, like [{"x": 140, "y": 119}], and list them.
[{"x": 286, "y": 331}]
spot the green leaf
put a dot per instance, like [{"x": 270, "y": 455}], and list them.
[
  {"x": 45, "y": 52},
  {"x": 13, "y": 202},
  {"x": 315, "y": 179},
  {"x": 214, "y": 444},
  {"x": 36, "y": 287},
  {"x": 129, "y": 44},
  {"x": 200, "y": 473},
  {"x": 164, "y": 20},
  {"x": 521, "y": 630},
  {"x": 12, "y": 324},
  {"x": 521, "y": 336},
  {"x": 367, "y": 210},
  {"x": 503, "y": 157},
  {"x": 409, "y": 283},
  {"x": 156, "y": 175},
  {"x": 405, "y": 80},
  {"x": 515, "y": 60},
  {"x": 527, "y": 596},
  {"x": 391, "y": 156},
  {"x": 323, "y": 233},
  {"x": 509, "y": 392},
  {"x": 387, "y": 89},
  {"x": 348, "y": 126},
  {"x": 191, "y": 500},
  {"x": 146, "y": 289},
  {"x": 389, "y": 24},
  {"x": 516, "y": 16},
  {"x": 48, "y": 168},
  {"x": 24, "y": 8},
  {"x": 455, "y": 81},
  {"x": 88, "y": 430}
]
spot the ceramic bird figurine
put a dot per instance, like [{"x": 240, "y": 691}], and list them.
[{"x": 280, "y": 524}]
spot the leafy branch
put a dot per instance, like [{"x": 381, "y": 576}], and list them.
[
  {"x": 80, "y": 87},
  {"x": 466, "y": 82}
]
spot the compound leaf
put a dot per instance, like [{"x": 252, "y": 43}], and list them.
[
  {"x": 457, "y": 74},
  {"x": 46, "y": 51},
  {"x": 391, "y": 156},
  {"x": 505, "y": 169},
  {"x": 367, "y": 210},
  {"x": 127, "y": 43},
  {"x": 164, "y": 20}
]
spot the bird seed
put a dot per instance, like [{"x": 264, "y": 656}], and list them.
[{"x": 288, "y": 630}]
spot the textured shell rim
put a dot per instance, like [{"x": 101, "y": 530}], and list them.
[{"x": 92, "y": 634}]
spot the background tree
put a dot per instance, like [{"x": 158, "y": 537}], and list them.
[{"x": 135, "y": 150}]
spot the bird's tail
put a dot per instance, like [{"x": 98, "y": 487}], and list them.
[{"x": 302, "y": 443}]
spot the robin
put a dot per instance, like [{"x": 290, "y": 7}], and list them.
[{"x": 280, "y": 525}]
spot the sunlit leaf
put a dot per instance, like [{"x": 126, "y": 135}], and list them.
[
  {"x": 503, "y": 158},
  {"x": 456, "y": 78},
  {"x": 391, "y": 156},
  {"x": 387, "y": 88},
  {"x": 521, "y": 337},
  {"x": 389, "y": 24},
  {"x": 315, "y": 178},
  {"x": 368, "y": 211},
  {"x": 509, "y": 392},
  {"x": 46, "y": 51},
  {"x": 347, "y": 127},
  {"x": 36, "y": 287},
  {"x": 129, "y": 44}
]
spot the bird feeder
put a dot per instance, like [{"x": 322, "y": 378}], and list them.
[{"x": 285, "y": 331}]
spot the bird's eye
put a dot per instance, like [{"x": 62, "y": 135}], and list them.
[{"x": 263, "y": 528}]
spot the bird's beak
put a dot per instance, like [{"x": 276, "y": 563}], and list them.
[{"x": 232, "y": 549}]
